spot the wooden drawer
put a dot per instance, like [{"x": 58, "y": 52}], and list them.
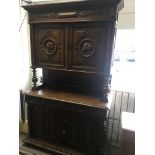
[{"x": 98, "y": 112}]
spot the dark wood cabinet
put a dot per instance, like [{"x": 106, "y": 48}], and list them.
[
  {"x": 72, "y": 42},
  {"x": 68, "y": 119}
]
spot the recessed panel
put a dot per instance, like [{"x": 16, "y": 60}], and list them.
[
  {"x": 49, "y": 45},
  {"x": 88, "y": 48}
]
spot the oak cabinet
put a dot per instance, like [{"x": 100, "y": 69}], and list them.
[{"x": 72, "y": 42}]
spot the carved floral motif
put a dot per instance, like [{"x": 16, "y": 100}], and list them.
[
  {"x": 49, "y": 44},
  {"x": 50, "y": 47},
  {"x": 47, "y": 15},
  {"x": 86, "y": 13},
  {"x": 56, "y": 15},
  {"x": 87, "y": 48},
  {"x": 86, "y": 45}
]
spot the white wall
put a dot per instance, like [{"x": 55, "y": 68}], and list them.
[
  {"x": 126, "y": 18},
  {"x": 25, "y": 60},
  {"x": 9, "y": 77},
  {"x": 25, "y": 56}
]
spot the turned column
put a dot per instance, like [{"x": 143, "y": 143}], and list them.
[{"x": 34, "y": 77}]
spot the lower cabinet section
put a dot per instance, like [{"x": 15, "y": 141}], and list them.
[{"x": 77, "y": 126}]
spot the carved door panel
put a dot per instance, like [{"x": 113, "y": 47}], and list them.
[
  {"x": 54, "y": 126},
  {"x": 73, "y": 129},
  {"x": 87, "y": 47},
  {"x": 82, "y": 131},
  {"x": 50, "y": 46},
  {"x": 46, "y": 123},
  {"x": 38, "y": 117},
  {"x": 88, "y": 132}
]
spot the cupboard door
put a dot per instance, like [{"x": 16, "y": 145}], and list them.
[
  {"x": 88, "y": 135},
  {"x": 50, "y": 46},
  {"x": 88, "y": 46},
  {"x": 82, "y": 131},
  {"x": 73, "y": 129},
  {"x": 45, "y": 122},
  {"x": 38, "y": 119},
  {"x": 54, "y": 126}
]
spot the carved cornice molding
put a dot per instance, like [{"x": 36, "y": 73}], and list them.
[{"x": 72, "y": 14}]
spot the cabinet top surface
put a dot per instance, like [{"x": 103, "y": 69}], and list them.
[
  {"x": 54, "y": 3},
  {"x": 69, "y": 97},
  {"x": 71, "y": 1}
]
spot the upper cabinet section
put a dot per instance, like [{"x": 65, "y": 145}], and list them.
[
  {"x": 72, "y": 40},
  {"x": 73, "y": 11}
]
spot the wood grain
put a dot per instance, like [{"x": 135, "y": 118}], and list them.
[{"x": 70, "y": 98}]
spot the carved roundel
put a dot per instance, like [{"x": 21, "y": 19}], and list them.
[
  {"x": 86, "y": 47},
  {"x": 49, "y": 46}
]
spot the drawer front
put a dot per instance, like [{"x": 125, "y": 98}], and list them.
[
  {"x": 50, "y": 46},
  {"x": 65, "y": 106}
]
